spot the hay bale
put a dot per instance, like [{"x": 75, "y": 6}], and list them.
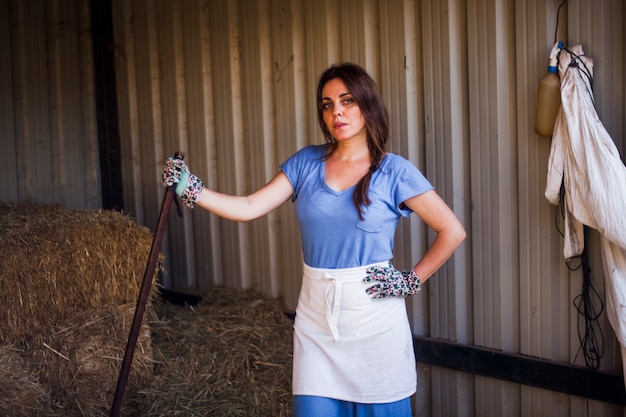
[
  {"x": 69, "y": 283},
  {"x": 80, "y": 362},
  {"x": 68, "y": 287},
  {"x": 57, "y": 262},
  {"x": 21, "y": 394}
]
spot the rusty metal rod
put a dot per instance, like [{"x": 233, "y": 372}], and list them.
[{"x": 142, "y": 299}]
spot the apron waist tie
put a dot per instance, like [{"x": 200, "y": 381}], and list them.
[{"x": 333, "y": 303}]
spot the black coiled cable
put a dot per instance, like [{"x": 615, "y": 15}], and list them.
[{"x": 588, "y": 303}]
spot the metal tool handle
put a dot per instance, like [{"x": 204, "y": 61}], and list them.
[{"x": 142, "y": 299}]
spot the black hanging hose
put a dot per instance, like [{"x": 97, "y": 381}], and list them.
[
  {"x": 589, "y": 330},
  {"x": 558, "y": 12},
  {"x": 588, "y": 303}
]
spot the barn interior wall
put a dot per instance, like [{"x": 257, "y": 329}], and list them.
[{"x": 232, "y": 85}]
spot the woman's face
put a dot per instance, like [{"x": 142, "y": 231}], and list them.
[{"x": 342, "y": 115}]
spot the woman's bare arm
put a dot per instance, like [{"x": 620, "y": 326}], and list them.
[
  {"x": 431, "y": 208},
  {"x": 245, "y": 208}
]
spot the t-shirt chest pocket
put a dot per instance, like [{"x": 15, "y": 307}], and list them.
[{"x": 373, "y": 218}]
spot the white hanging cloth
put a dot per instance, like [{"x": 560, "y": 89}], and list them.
[{"x": 584, "y": 158}]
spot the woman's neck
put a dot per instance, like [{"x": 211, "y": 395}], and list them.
[{"x": 350, "y": 151}]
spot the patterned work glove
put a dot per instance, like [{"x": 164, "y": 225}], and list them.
[
  {"x": 390, "y": 282},
  {"x": 188, "y": 186}
]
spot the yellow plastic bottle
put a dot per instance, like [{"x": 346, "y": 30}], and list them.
[{"x": 549, "y": 96}]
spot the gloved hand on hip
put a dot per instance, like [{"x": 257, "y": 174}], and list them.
[
  {"x": 188, "y": 186},
  {"x": 389, "y": 282}
]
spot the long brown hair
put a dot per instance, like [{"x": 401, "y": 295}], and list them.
[{"x": 366, "y": 94}]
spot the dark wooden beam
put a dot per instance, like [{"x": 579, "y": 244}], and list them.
[{"x": 521, "y": 369}]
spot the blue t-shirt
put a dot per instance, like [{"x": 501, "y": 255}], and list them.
[{"x": 332, "y": 234}]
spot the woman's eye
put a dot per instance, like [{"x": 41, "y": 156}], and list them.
[
  {"x": 348, "y": 101},
  {"x": 327, "y": 106}
]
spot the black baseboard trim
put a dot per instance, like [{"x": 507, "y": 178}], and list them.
[
  {"x": 179, "y": 298},
  {"x": 526, "y": 370}
]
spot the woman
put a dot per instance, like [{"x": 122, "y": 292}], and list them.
[{"x": 353, "y": 349}]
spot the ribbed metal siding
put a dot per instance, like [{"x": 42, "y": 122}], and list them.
[
  {"x": 235, "y": 91},
  {"x": 47, "y": 110},
  {"x": 232, "y": 84}
]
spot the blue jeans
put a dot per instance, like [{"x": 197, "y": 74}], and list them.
[{"x": 311, "y": 406}]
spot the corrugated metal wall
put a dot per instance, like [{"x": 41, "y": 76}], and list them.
[
  {"x": 231, "y": 83},
  {"x": 47, "y": 104}
]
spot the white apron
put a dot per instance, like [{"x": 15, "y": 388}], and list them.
[{"x": 348, "y": 346}]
